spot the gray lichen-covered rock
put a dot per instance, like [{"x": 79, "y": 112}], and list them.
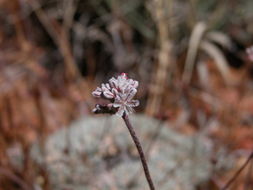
[{"x": 97, "y": 153}]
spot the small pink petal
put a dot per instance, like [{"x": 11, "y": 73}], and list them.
[
  {"x": 124, "y": 75},
  {"x": 97, "y": 93},
  {"x": 104, "y": 88},
  {"x": 107, "y": 86},
  {"x": 131, "y": 94},
  {"x": 135, "y": 84},
  {"x": 98, "y": 89},
  {"x": 116, "y": 105},
  {"x": 113, "y": 82},
  {"x": 115, "y": 91},
  {"x": 108, "y": 94},
  {"x": 133, "y": 103},
  {"x": 97, "y": 108}
]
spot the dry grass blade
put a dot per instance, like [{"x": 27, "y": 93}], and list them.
[
  {"x": 70, "y": 7},
  {"x": 216, "y": 54},
  {"x": 220, "y": 38},
  {"x": 164, "y": 56},
  {"x": 59, "y": 35},
  {"x": 203, "y": 74},
  {"x": 195, "y": 39}
]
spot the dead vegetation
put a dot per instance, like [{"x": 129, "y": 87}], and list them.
[{"x": 195, "y": 75}]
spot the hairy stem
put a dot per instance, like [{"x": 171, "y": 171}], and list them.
[{"x": 139, "y": 148}]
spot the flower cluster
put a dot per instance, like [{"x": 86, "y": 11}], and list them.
[{"x": 120, "y": 92}]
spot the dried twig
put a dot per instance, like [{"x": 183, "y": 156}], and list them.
[{"x": 226, "y": 186}]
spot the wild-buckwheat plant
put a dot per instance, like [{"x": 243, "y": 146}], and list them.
[{"x": 119, "y": 93}]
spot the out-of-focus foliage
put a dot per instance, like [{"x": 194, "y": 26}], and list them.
[
  {"x": 100, "y": 147},
  {"x": 53, "y": 53}
]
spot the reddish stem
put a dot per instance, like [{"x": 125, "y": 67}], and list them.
[{"x": 139, "y": 148}]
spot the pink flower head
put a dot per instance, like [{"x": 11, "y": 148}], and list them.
[{"x": 120, "y": 91}]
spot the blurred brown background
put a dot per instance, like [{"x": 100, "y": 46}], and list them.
[{"x": 188, "y": 55}]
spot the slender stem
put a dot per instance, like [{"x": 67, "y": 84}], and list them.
[
  {"x": 238, "y": 172},
  {"x": 139, "y": 148},
  {"x": 147, "y": 152}
]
